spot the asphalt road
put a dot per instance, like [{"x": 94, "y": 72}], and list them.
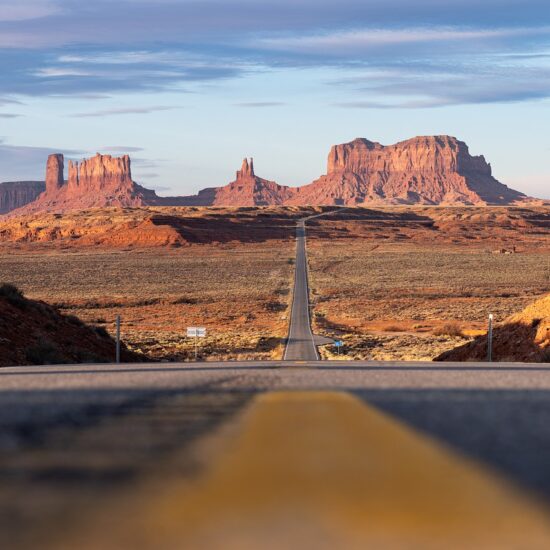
[
  {"x": 301, "y": 343},
  {"x": 76, "y": 436}
]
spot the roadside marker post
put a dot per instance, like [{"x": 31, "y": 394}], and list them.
[
  {"x": 118, "y": 339},
  {"x": 490, "y": 340},
  {"x": 196, "y": 333}
]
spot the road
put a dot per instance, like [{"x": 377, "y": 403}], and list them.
[
  {"x": 300, "y": 344},
  {"x": 406, "y": 446}
]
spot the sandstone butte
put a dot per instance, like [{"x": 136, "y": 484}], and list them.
[{"x": 428, "y": 170}]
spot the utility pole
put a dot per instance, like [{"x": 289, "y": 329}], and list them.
[
  {"x": 118, "y": 339},
  {"x": 490, "y": 339}
]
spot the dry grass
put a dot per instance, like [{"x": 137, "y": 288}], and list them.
[
  {"x": 449, "y": 329},
  {"x": 239, "y": 293},
  {"x": 402, "y": 289}
]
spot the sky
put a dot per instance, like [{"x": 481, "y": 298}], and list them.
[{"x": 189, "y": 88}]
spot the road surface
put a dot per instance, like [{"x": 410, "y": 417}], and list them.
[
  {"x": 321, "y": 454},
  {"x": 301, "y": 342}
]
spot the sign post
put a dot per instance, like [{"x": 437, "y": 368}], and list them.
[
  {"x": 490, "y": 340},
  {"x": 339, "y": 344},
  {"x": 196, "y": 333},
  {"x": 118, "y": 339}
]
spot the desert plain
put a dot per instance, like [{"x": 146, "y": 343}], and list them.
[{"x": 400, "y": 282}]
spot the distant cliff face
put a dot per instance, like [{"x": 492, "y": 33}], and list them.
[
  {"x": 422, "y": 170},
  {"x": 16, "y": 194},
  {"x": 100, "y": 174},
  {"x": 250, "y": 190},
  {"x": 96, "y": 182}
]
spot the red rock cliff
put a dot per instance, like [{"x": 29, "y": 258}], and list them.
[
  {"x": 249, "y": 190},
  {"x": 99, "y": 174},
  {"x": 97, "y": 182},
  {"x": 422, "y": 170},
  {"x": 54, "y": 173}
]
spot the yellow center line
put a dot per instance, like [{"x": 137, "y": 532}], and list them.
[{"x": 325, "y": 470}]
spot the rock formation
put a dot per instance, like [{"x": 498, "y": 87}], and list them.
[
  {"x": 55, "y": 173},
  {"x": 422, "y": 170},
  {"x": 16, "y": 194},
  {"x": 97, "y": 182},
  {"x": 247, "y": 169},
  {"x": 250, "y": 190},
  {"x": 100, "y": 174}
]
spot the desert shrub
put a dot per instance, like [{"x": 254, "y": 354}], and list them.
[
  {"x": 185, "y": 300},
  {"x": 44, "y": 352},
  {"x": 275, "y": 306},
  {"x": 394, "y": 328},
  {"x": 449, "y": 329},
  {"x": 13, "y": 295}
]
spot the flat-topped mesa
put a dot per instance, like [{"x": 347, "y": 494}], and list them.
[
  {"x": 426, "y": 154},
  {"x": 55, "y": 173},
  {"x": 422, "y": 170},
  {"x": 102, "y": 172},
  {"x": 247, "y": 169}
]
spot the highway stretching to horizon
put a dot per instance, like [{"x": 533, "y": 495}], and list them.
[
  {"x": 281, "y": 454},
  {"x": 300, "y": 345}
]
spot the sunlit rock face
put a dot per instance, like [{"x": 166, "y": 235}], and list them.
[
  {"x": 422, "y": 170},
  {"x": 432, "y": 170}
]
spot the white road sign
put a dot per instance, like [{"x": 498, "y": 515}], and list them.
[{"x": 196, "y": 332}]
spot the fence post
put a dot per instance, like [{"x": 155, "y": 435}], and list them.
[
  {"x": 118, "y": 339},
  {"x": 490, "y": 340}
]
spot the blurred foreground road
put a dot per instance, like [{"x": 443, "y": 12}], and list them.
[{"x": 275, "y": 455}]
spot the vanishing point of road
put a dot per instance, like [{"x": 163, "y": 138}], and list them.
[{"x": 300, "y": 345}]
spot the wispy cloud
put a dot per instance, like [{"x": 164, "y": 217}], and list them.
[
  {"x": 9, "y": 115},
  {"x": 122, "y": 149},
  {"x": 361, "y": 40},
  {"x": 28, "y": 9},
  {"x": 55, "y": 72},
  {"x": 260, "y": 104},
  {"x": 125, "y": 111},
  {"x": 170, "y": 45}
]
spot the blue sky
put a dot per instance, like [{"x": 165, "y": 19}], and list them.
[{"x": 189, "y": 88}]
